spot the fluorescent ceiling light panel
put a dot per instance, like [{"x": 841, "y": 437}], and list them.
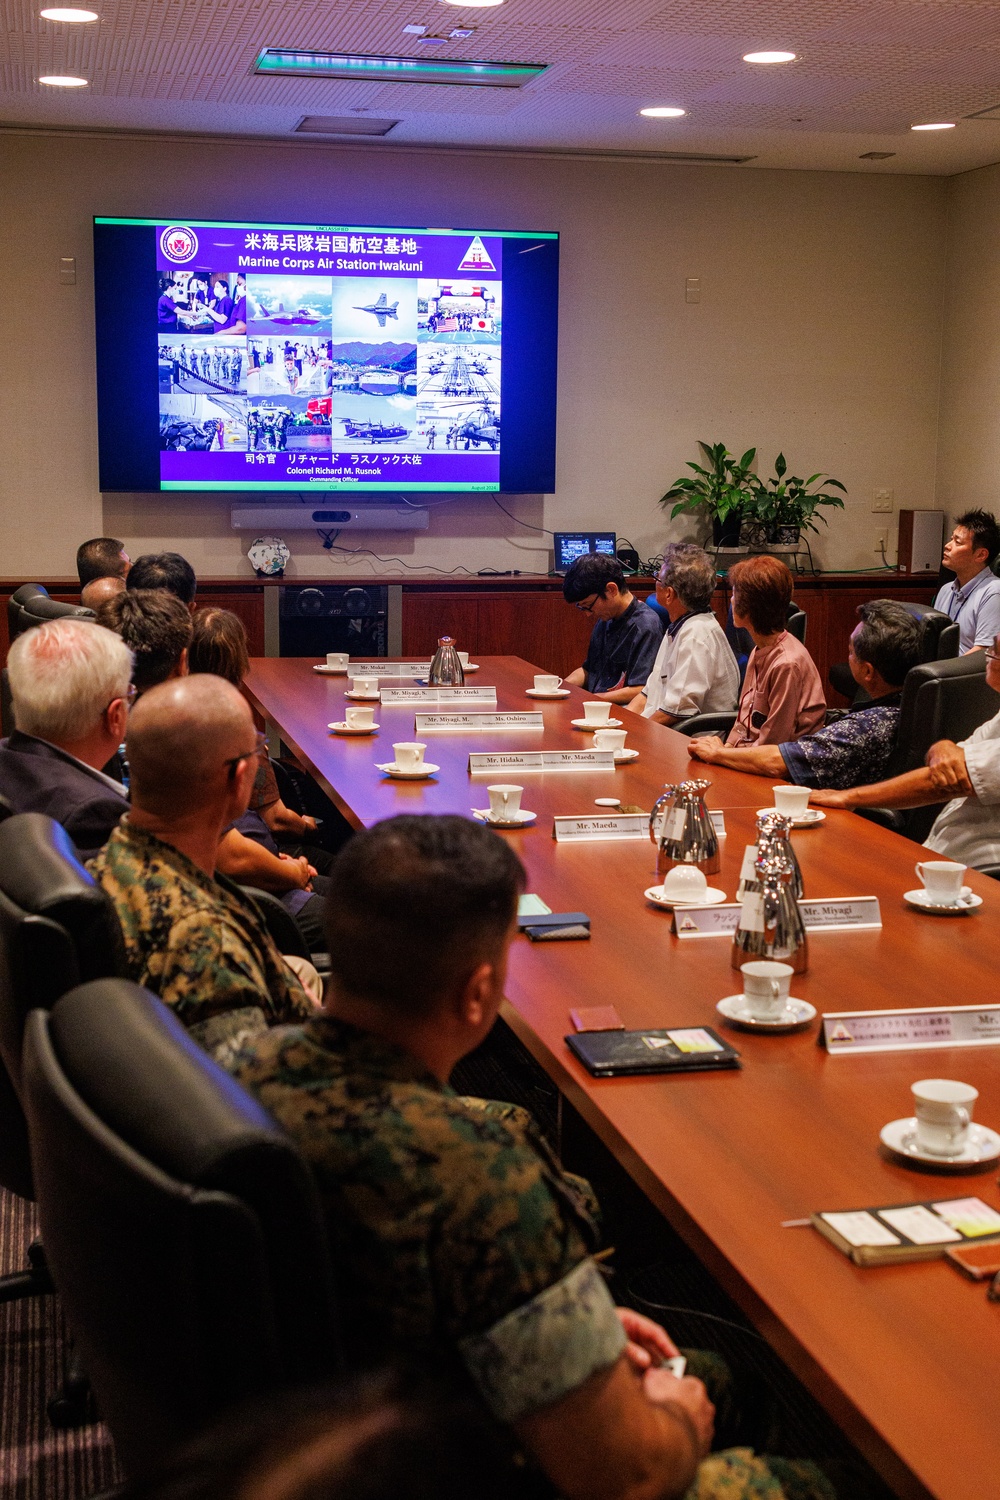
[
  {"x": 768, "y": 57},
  {"x": 59, "y": 81},
  {"x": 70, "y": 16},
  {"x": 663, "y": 113},
  {"x": 352, "y": 65},
  {"x": 949, "y": 126}
]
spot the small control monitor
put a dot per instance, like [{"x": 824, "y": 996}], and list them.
[{"x": 569, "y": 545}]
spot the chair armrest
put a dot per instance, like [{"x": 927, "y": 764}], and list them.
[
  {"x": 280, "y": 924},
  {"x": 885, "y": 817},
  {"x": 719, "y": 724}
]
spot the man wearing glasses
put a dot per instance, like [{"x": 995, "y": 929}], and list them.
[
  {"x": 626, "y": 634},
  {"x": 967, "y": 829},
  {"x": 191, "y": 935}
]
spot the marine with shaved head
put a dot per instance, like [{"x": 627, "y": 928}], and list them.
[{"x": 191, "y": 936}]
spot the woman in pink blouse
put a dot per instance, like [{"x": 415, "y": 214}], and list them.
[{"x": 782, "y": 697}]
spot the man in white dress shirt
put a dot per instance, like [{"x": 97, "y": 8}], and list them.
[
  {"x": 973, "y": 599},
  {"x": 695, "y": 670},
  {"x": 967, "y": 829}
]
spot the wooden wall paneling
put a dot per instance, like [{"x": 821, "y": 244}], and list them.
[
  {"x": 428, "y": 616},
  {"x": 538, "y": 626},
  {"x": 246, "y": 602}
]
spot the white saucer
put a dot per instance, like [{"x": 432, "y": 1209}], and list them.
[
  {"x": 342, "y": 727},
  {"x": 410, "y": 773},
  {"x": 712, "y": 897},
  {"x": 520, "y": 820},
  {"x": 968, "y": 901},
  {"x": 795, "y": 1017},
  {"x": 589, "y": 724},
  {"x": 362, "y": 697},
  {"x": 622, "y": 757},
  {"x": 809, "y": 818},
  {"x": 331, "y": 671},
  {"x": 472, "y": 666},
  {"x": 556, "y": 693},
  {"x": 607, "y": 802},
  {"x": 982, "y": 1147}
]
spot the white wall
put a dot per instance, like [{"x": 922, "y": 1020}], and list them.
[{"x": 819, "y": 331}]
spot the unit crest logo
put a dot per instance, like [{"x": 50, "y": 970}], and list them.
[{"x": 179, "y": 243}]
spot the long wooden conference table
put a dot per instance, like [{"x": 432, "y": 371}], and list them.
[{"x": 905, "y": 1358}]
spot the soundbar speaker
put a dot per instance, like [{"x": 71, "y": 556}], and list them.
[{"x": 921, "y": 538}]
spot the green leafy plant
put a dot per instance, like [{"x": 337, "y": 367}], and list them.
[
  {"x": 786, "y": 500},
  {"x": 721, "y": 488}
]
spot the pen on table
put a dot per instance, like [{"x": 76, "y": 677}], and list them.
[{"x": 796, "y": 1223}]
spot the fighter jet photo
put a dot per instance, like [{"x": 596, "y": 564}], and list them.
[{"x": 381, "y": 309}]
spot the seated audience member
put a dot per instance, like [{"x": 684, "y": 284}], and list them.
[
  {"x": 973, "y": 598},
  {"x": 157, "y": 630},
  {"x": 381, "y": 1436},
  {"x": 191, "y": 936},
  {"x": 99, "y": 590},
  {"x": 967, "y": 774},
  {"x": 219, "y": 646},
  {"x": 855, "y": 749},
  {"x": 101, "y": 557},
  {"x": 69, "y": 681},
  {"x": 782, "y": 697},
  {"x": 461, "y": 1241},
  {"x": 695, "y": 671},
  {"x": 625, "y": 637},
  {"x": 165, "y": 570}
]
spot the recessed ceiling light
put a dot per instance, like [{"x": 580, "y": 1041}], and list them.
[
  {"x": 69, "y": 15},
  {"x": 473, "y": 4},
  {"x": 949, "y": 126},
  {"x": 460, "y": 33},
  {"x": 768, "y": 57},
  {"x": 432, "y": 41},
  {"x": 55, "y": 81},
  {"x": 666, "y": 112}
]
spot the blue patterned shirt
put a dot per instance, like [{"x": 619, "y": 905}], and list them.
[{"x": 852, "y": 751}]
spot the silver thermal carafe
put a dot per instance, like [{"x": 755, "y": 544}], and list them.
[
  {"x": 683, "y": 832},
  {"x": 770, "y": 923},
  {"x": 446, "y": 668}
]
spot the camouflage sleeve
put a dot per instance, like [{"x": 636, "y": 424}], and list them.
[
  {"x": 547, "y": 1347},
  {"x": 207, "y": 970}
]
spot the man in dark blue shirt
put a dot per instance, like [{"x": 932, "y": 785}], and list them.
[{"x": 627, "y": 633}]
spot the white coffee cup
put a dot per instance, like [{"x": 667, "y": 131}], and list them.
[
  {"x": 942, "y": 880},
  {"x": 765, "y": 988},
  {"x": 943, "y": 1109},
  {"x": 684, "y": 883},
  {"x": 359, "y": 717},
  {"x": 409, "y": 754},
  {"x": 610, "y": 739},
  {"x": 338, "y": 660},
  {"x": 505, "y": 802},
  {"x": 793, "y": 801},
  {"x": 366, "y": 686},
  {"x": 597, "y": 713},
  {"x": 547, "y": 682},
  {"x": 463, "y": 657}
]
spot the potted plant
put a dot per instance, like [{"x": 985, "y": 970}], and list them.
[
  {"x": 784, "y": 505},
  {"x": 722, "y": 489}
]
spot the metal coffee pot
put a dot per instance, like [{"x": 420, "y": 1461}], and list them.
[
  {"x": 773, "y": 830},
  {"x": 770, "y": 923},
  {"x": 683, "y": 831},
  {"x": 446, "y": 668}
]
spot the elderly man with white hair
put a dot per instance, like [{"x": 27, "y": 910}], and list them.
[{"x": 69, "y": 680}]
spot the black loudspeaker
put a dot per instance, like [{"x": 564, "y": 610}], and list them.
[
  {"x": 351, "y": 618},
  {"x": 629, "y": 559}
]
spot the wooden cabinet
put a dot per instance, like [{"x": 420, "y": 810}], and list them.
[{"x": 535, "y": 624}]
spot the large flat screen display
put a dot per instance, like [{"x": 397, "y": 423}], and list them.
[{"x": 268, "y": 357}]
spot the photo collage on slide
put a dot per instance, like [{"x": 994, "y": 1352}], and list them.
[{"x": 325, "y": 364}]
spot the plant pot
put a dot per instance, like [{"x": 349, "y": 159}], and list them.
[
  {"x": 727, "y": 533},
  {"x": 784, "y": 536}
]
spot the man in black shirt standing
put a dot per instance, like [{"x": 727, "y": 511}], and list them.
[{"x": 627, "y": 633}]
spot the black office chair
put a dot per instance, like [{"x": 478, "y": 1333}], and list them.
[
  {"x": 18, "y": 597},
  {"x": 183, "y": 1228},
  {"x": 939, "y": 641},
  {"x": 942, "y": 700},
  {"x": 279, "y": 922},
  {"x": 38, "y": 609}
]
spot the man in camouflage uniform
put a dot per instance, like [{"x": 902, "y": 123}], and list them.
[
  {"x": 460, "y": 1239},
  {"x": 191, "y": 936}
]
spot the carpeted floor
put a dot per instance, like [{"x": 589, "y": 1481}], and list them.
[{"x": 36, "y": 1461}]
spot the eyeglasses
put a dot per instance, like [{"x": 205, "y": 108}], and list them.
[
  {"x": 234, "y": 760},
  {"x": 991, "y": 655},
  {"x": 588, "y": 607},
  {"x": 127, "y": 698}
]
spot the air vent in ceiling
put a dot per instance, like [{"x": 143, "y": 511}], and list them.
[
  {"x": 357, "y": 66},
  {"x": 343, "y": 125},
  {"x": 876, "y": 155},
  {"x": 717, "y": 161},
  {"x": 992, "y": 112}
]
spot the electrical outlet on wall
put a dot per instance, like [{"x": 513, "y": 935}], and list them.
[
  {"x": 881, "y": 540},
  {"x": 882, "y": 501}
]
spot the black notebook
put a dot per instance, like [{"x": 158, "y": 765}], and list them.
[{"x": 679, "y": 1050}]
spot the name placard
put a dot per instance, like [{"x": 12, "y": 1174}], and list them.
[
  {"x": 436, "y": 696},
  {"x": 850, "y": 914},
  {"x": 543, "y": 760},
  {"x": 910, "y": 1030},
  {"x": 717, "y": 816},
  {"x": 388, "y": 668},
  {"x": 616, "y": 826},
  {"x": 439, "y": 723}
]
